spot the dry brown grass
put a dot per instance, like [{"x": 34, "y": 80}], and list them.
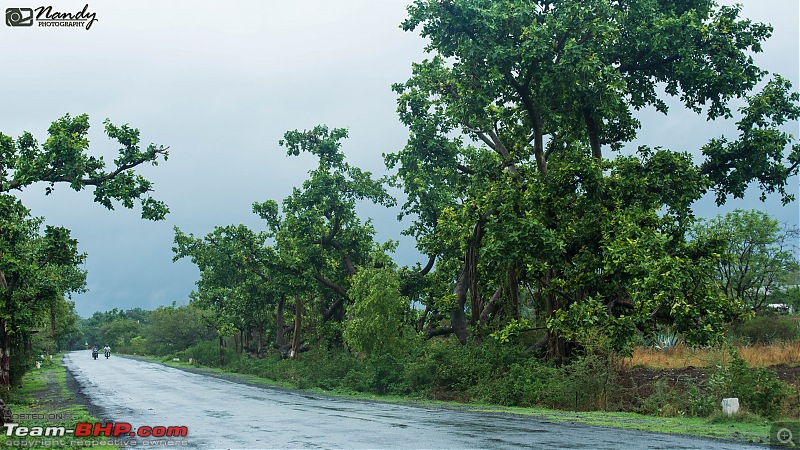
[{"x": 682, "y": 356}]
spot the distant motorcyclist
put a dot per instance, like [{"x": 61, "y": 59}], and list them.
[
  {"x": 94, "y": 352},
  {"x": 107, "y": 351}
]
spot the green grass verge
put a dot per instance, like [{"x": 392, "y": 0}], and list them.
[
  {"x": 745, "y": 428},
  {"x": 44, "y": 400}
]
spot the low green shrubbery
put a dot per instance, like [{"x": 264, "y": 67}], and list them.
[
  {"x": 207, "y": 354},
  {"x": 758, "y": 390},
  {"x": 505, "y": 374},
  {"x": 687, "y": 399},
  {"x": 767, "y": 329}
]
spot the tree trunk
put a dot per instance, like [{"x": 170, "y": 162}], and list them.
[
  {"x": 259, "y": 340},
  {"x": 238, "y": 340},
  {"x": 279, "y": 339},
  {"x": 556, "y": 346},
  {"x": 221, "y": 351},
  {"x": 298, "y": 317},
  {"x": 458, "y": 320},
  {"x": 593, "y": 131},
  {"x": 5, "y": 356},
  {"x": 467, "y": 281},
  {"x": 491, "y": 308},
  {"x": 512, "y": 291},
  {"x": 53, "y": 322},
  {"x": 476, "y": 302},
  {"x": 421, "y": 322}
]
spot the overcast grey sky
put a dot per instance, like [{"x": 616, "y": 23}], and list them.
[{"x": 219, "y": 83}]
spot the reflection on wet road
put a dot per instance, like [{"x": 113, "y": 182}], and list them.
[{"x": 223, "y": 414}]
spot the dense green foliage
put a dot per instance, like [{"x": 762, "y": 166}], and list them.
[
  {"x": 767, "y": 329},
  {"x": 758, "y": 390},
  {"x": 552, "y": 248},
  {"x": 39, "y": 268},
  {"x": 757, "y": 261},
  {"x": 546, "y": 89}
]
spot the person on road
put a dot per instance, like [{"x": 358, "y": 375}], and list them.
[{"x": 107, "y": 351}]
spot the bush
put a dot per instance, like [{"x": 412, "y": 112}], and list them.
[
  {"x": 683, "y": 399},
  {"x": 207, "y": 354},
  {"x": 323, "y": 368},
  {"x": 585, "y": 383},
  {"x": 529, "y": 383},
  {"x": 757, "y": 389},
  {"x": 766, "y": 329},
  {"x": 386, "y": 375}
]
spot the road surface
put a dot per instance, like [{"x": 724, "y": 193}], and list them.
[{"x": 223, "y": 414}]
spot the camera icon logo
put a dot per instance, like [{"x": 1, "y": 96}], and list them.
[{"x": 19, "y": 17}]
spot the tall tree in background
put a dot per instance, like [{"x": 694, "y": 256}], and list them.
[
  {"x": 237, "y": 284},
  {"x": 758, "y": 257},
  {"x": 317, "y": 244},
  {"x": 26, "y": 255},
  {"x": 317, "y": 231},
  {"x": 507, "y": 168}
]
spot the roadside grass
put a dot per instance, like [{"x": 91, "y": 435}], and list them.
[
  {"x": 44, "y": 400},
  {"x": 682, "y": 356},
  {"x": 255, "y": 380},
  {"x": 749, "y": 429},
  {"x": 745, "y": 428}
]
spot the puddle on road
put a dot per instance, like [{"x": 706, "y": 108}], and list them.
[{"x": 217, "y": 414}]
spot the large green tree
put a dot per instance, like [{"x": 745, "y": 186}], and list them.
[
  {"x": 313, "y": 246},
  {"x": 758, "y": 258},
  {"x": 39, "y": 267},
  {"x": 507, "y": 167},
  {"x": 238, "y": 282},
  {"x": 62, "y": 158},
  {"x": 318, "y": 233}
]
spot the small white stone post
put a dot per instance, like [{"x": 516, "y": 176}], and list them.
[{"x": 730, "y": 406}]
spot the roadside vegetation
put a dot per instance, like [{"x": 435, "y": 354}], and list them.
[
  {"x": 657, "y": 379},
  {"x": 43, "y": 399},
  {"x": 562, "y": 268}
]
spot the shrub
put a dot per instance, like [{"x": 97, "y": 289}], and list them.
[
  {"x": 527, "y": 383},
  {"x": 585, "y": 383},
  {"x": 665, "y": 338},
  {"x": 326, "y": 369},
  {"x": 757, "y": 389},
  {"x": 386, "y": 375},
  {"x": 701, "y": 402},
  {"x": 590, "y": 381},
  {"x": 682, "y": 399},
  {"x": 766, "y": 329},
  {"x": 207, "y": 354}
]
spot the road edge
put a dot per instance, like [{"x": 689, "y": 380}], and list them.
[{"x": 696, "y": 427}]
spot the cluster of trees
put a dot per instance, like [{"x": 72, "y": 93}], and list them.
[
  {"x": 163, "y": 331},
  {"x": 759, "y": 266},
  {"x": 40, "y": 265},
  {"x": 531, "y": 215}
]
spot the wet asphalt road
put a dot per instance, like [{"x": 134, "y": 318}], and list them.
[{"x": 223, "y": 414}]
